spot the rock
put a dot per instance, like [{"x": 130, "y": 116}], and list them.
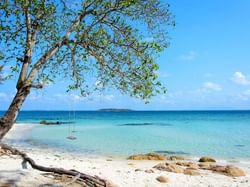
[
  {"x": 219, "y": 169},
  {"x": 188, "y": 164},
  {"x": 207, "y": 159},
  {"x": 205, "y": 165},
  {"x": 44, "y": 122},
  {"x": 148, "y": 156},
  {"x": 190, "y": 171},
  {"x": 176, "y": 158},
  {"x": 162, "y": 179},
  {"x": 149, "y": 171},
  {"x": 169, "y": 167},
  {"x": 160, "y": 166},
  {"x": 137, "y": 170},
  {"x": 234, "y": 171},
  {"x": 229, "y": 170}
]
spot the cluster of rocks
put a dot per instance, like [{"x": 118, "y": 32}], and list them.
[
  {"x": 187, "y": 168},
  {"x": 178, "y": 164},
  {"x": 148, "y": 156},
  {"x": 206, "y": 163}
]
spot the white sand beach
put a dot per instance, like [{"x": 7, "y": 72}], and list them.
[{"x": 120, "y": 171}]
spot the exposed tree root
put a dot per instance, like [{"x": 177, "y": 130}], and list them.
[{"x": 87, "y": 180}]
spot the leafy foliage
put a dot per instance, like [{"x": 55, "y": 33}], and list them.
[{"x": 93, "y": 43}]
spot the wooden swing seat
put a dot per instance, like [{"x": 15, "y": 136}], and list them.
[{"x": 71, "y": 137}]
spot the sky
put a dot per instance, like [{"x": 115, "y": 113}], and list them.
[{"x": 206, "y": 67}]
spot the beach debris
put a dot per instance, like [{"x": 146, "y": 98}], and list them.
[
  {"x": 162, "y": 179},
  {"x": 170, "y": 167},
  {"x": 190, "y": 171},
  {"x": 206, "y": 159},
  {"x": 229, "y": 170},
  {"x": 176, "y": 157},
  {"x": 148, "y": 156}
]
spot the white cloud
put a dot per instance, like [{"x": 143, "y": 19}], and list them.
[
  {"x": 240, "y": 78},
  {"x": 78, "y": 98},
  {"x": 209, "y": 87},
  {"x": 191, "y": 55}
]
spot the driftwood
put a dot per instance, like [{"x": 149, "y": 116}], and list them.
[{"x": 87, "y": 180}]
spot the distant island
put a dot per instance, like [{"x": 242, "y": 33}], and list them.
[{"x": 115, "y": 110}]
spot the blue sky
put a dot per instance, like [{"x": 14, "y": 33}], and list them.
[{"x": 207, "y": 65}]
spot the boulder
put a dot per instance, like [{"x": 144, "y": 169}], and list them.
[
  {"x": 148, "y": 156},
  {"x": 176, "y": 158},
  {"x": 162, "y": 179},
  {"x": 229, "y": 170},
  {"x": 207, "y": 159},
  {"x": 188, "y": 164},
  {"x": 234, "y": 171},
  {"x": 205, "y": 165},
  {"x": 217, "y": 168},
  {"x": 169, "y": 167},
  {"x": 190, "y": 171}
]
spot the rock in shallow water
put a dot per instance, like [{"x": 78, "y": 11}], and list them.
[
  {"x": 148, "y": 156},
  {"x": 176, "y": 158},
  {"x": 207, "y": 159}
]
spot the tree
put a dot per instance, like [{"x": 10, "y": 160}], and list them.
[{"x": 116, "y": 41}]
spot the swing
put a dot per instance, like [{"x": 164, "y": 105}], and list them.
[{"x": 71, "y": 126}]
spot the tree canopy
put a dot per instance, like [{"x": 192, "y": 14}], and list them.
[{"x": 112, "y": 43}]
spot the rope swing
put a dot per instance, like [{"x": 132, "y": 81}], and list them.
[{"x": 71, "y": 124}]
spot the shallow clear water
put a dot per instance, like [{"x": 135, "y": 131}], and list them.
[{"x": 223, "y": 134}]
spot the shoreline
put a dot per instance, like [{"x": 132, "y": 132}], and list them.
[
  {"x": 118, "y": 170},
  {"x": 21, "y": 131}
]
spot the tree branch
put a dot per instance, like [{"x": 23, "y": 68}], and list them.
[
  {"x": 56, "y": 47},
  {"x": 38, "y": 85},
  {"x": 28, "y": 50},
  {"x": 86, "y": 179}
]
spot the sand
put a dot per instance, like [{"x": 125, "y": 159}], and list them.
[{"x": 118, "y": 170}]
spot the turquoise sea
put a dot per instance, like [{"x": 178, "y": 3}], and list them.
[{"x": 221, "y": 134}]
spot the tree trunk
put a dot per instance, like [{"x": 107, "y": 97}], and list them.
[{"x": 9, "y": 118}]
